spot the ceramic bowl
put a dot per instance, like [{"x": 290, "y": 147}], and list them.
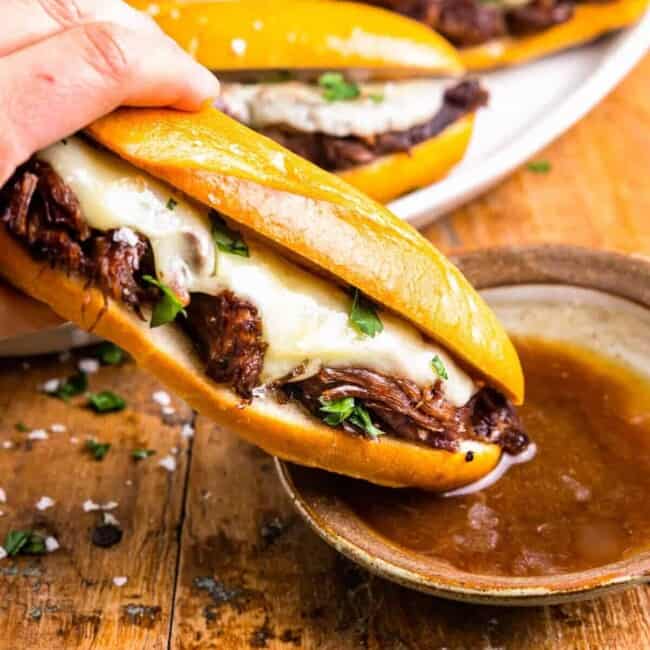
[{"x": 598, "y": 299}]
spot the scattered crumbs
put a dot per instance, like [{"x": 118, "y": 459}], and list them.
[
  {"x": 238, "y": 46},
  {"x": 2, "y": 514},
  {"x": 36, "y": 613},
  {"x": 52, "y": 544},
  {"x": 168, "y": 410},
  {"x": 128, "y": 482},
  {"x": 38, "y": 434},
  {"x": 58, "y": 428},
  {"x": 51, "y": 385},
  {"x": 89, "y": 505},
  {"x": 206, "y": 494},
  {"x": 44, "y": 503},
  {"x": 7, "y": 444},
  {"x": 173, "y": 450},
  {"x": 261, "y": 635},
  {"x": 110, "y": 505},
  {"x": 88, "y": 365},
  {"x": 187, "y": 431},
  {"x": 120, "y": 581},
  {"x": 106, "y": 535},
  {"x": 272, "y": 529},
  {"x": 161, "y": 397},
  {"x": 74, "y": 440},
  {"x": 168, "y": 463},
  {"x": 3, "y": 553},
  {"x": 3, "y": 496}
]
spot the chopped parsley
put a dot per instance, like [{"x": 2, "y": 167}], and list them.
[
  {"x": 141, "y": 454},
  {"x": 172, "y": 203},
  {"x": 363, "y": 316},
  {"x": 168, "y": 307},
  {"x": 336, "y": 88},
  {"x": 226, "y": 239},
  {"x": 539, "y": 166},
  {"x": 24, "y": 542},
  {"x": 376, "y": 98},
  {"x": 72, "y": 386},
  {"x": 98, "y": 449},
  {"x": 347, "y": 408},
  {"x": 439, "y": 367},
  {"x": 22, "y": 427},
  {"x": 109, "y": 354},
  {"x": 106, "y": 402}
]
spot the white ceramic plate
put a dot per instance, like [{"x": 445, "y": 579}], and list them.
[{"x": 529, "y": 107}]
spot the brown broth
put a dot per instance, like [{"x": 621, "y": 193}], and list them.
[{"x": 582, "y": 502}]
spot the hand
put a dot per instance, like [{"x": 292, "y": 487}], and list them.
[{"x": 65, "y": 63}]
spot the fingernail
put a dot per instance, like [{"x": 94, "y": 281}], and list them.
[{"x": 209, "y": 84}]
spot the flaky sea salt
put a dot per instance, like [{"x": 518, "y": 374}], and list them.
[
  {"x": 168, "y": 463},
  {"x": 38, "y": 434},
  {"x": 120, "y": 581},
  {"x": 187, "y": 431},
  {"x": 126, "y": 236},
  {"x": 161, "y": 397},
  {"x": 3, "y": 496},
  {"x": 238, "y": 46},
  {"x": 51, "y": 385},
  {"x": 88, "y": 365},
  {"x": 52, "y": 544},
  {"x": 3, "y": 553},
  {"x": 44, "y": 503},
  {"x": 57, "y": 428}
]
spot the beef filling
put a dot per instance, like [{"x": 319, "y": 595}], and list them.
[
  {"x": 400, "y": 408},
  {"x": 473, "y": 22},
  {"x": 42, "y": 212},
  {"x": 337, "y": 153}
]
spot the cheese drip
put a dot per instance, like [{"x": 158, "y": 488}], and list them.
[{"x": 305, "y": 318}]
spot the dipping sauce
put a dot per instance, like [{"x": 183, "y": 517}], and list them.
[{"x": 582, "y": 502}]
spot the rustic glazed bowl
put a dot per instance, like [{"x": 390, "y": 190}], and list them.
[{"x": 595, "y": 298}]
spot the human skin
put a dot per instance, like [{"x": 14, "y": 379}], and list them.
[{"x": 65, "y": 63}]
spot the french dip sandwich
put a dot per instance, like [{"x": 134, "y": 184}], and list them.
[
  {"x": 269, "y": 294},
  {"x": 352, "y": 88},
  {"x": 506, "y": 32}
]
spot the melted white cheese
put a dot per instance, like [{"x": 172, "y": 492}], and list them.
[
  {"x": 304, "y": 317},
  {"x": 303, "y": 107}
]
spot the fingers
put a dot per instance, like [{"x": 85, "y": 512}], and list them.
[
  {"x": 20, "y": 314},
  {"x": 61, "y": 84},
  {"x": 31, "y": 21}
]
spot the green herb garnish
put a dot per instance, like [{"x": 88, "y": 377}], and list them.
[
  {"x": 22, "y": 427},
  {"x": 377, "y": 98},
  {"x": 336, "y": 88},
  {"x": 171, "y": 204},
  {"x": 24, "y": 542},
  {"x": 347, "y": 408},
  {"x": 98, "y": 449},
  {"x": 439, "y": 367},
  {"x": 72, "y": 386},
  {"x": 226, "y": 239},
  {"x": 363, "y": 316},
  {"x": 109, "y": 354},
  {"x": 141, "y": 454},
  {"x": 168, "y": 307},
  {"x": 337, "y": 411},
  {"x": 106, "y": 402},
  {"x": 539, "y": 166}
]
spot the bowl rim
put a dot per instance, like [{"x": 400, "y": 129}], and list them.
[{"x": 622, "y": 276}]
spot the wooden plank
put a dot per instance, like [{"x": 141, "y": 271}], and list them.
[{"x": 67, "y": 599}]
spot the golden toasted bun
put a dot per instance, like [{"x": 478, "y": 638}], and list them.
[
  {"x": 281, "y": 430},
  {"x": 310, "y": 34},
  {"x": 589, "y": 21},
  {"x": 318, "y": 217},
  {"x": 390, "y": 176}
]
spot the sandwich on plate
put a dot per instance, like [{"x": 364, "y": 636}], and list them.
[
  {"x": 506, "y": 32},
  {"x": 354, "y": 89},
  {"x": 269, "y": 294}
]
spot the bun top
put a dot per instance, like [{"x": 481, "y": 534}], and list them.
[
  {"x": 310, "y": 34},
  {"x": 318, "y": 218}
]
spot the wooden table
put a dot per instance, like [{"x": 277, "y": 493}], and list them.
[{"x": 213, "y": 553}]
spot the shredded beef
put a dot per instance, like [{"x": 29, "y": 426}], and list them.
[
  {"x": 41, "y": 210},
  {"x": 402, "y": 409},
  {"x": 472, "y": 22},
  {"x": 228, "y": 331},
  {"x": 336, "y": 153}
]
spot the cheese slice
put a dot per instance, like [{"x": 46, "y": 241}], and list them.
[
  {"x": 305, "y": 318},
  {"x": 380, "y": 107}
]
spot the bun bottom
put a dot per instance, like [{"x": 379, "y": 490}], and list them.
[
  {"x": 589, "y": 21},
  {"x": 390, "y": 176},
  {"x": 281, "y": 430}
]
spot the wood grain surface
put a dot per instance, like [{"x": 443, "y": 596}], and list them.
[{"x": 214, "y": 555}]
